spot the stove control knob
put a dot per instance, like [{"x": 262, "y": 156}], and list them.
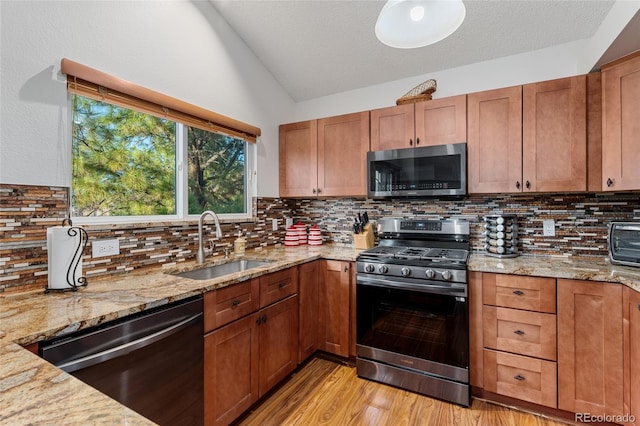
[
  {"x": 369, "y": 268},
  {"x": 446, "y": 275},
  {"x": 405, "y": 271},
  {"x": 430, "y": 273},
  {"x": 383, "y": 269}
]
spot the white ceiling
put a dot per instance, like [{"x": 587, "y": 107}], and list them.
[{"x": 316, "y": 48}]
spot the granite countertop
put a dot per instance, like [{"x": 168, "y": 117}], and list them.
[{"x": 34, "y": 391}]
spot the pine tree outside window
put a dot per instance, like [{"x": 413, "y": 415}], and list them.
[{"x": 128, "y": 166}]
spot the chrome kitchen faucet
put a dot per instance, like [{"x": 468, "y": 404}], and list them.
[{"x": 200, "y": 255}]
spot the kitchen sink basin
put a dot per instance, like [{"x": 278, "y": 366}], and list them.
[{"x": 215, "y": 271}]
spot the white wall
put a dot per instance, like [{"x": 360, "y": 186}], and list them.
[{"x": 180, "y": 48}]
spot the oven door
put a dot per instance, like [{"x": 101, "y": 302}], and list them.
[{"x": 414, "y": 324}]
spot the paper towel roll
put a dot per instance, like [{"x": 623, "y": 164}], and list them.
[{"x": 61, "y": 250}]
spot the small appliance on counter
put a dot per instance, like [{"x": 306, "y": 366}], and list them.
[
  {"x": 501, "y": 235},
  {"x": 624, "y": 243}
]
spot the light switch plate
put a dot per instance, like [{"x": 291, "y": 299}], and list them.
[
  {"x": 549, "y": 228},
  {"x": 289, "y": 222},
  {"x": 274, "y": 224},
  {"x": 105, "y": 248}
]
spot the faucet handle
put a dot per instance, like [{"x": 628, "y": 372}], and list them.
[{"x": 226, "y": 252}]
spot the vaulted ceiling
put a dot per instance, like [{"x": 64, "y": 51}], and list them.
[{"x": 316, "y": 48}]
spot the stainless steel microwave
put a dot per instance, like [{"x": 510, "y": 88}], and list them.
[
  {"x": 624, "y": 243},
  {"x": 428, "y": 171}
]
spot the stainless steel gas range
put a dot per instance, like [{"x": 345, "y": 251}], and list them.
[{"x": 412, "y": 309}]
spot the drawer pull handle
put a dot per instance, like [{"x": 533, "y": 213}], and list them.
[
  {"x": 258, "y": 320},
  {"x": 518, "y": 292},
  {"x": 235, "y": 302},
  {"x": 282, "y": 284},
  {"x": 609, "y": 183},
  {"x": 264, "y": 319},
  {"x": 519, "y": 332},
  {"x": 518, "y": 377}
]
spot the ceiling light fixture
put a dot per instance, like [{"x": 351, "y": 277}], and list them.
[{"x": 407, "y": 24}]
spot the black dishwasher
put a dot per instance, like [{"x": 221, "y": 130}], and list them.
[{"x": 152, "y": 362}]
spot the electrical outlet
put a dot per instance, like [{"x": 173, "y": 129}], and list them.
[
  {"x": 548, "y": 228},
  {"x": 274, "y": 224},
  {"x": 105, "y": 248}
]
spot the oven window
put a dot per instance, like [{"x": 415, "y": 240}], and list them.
[{"x": 421, "y": 325}]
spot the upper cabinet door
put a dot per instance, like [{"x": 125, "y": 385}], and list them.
[
  {"x": 343, "y": 143},
  {"x": 392, "y": 128},
  {"x": 441, "y": 121},
  {"x": 621, "y": 125},
  {"x": 494, "y": 148},
  {"x": 298, "y": 159},
  {"x": 555, "y": 135}
]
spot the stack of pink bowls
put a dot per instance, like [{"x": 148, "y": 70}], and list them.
[
  {"x": 291, "y": 237},
  {"x": 315, "y": 236},
  {"x": 302, "y": 233}
]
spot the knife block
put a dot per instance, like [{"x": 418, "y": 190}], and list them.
[{"x": 364, "y": 240}]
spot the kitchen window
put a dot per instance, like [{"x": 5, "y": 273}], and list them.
[{"x": 136, "y": 161}]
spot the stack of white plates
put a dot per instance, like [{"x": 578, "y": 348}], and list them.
[
  {"x": 302, "y": 233},
  {"x": 291, "y": 237},
  {"x": 315, "y": 236}
]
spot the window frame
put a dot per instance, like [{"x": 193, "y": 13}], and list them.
[{"x": 181, "y": 182}]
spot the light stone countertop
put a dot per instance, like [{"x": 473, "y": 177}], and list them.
[{"x": 33, "y": 391}]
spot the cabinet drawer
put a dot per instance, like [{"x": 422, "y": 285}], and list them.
[
  {"x": 277, "y": 286},
  {"x": 230, "y": 303},
  {"x": 513, "y": 291},
  {"x": 521, "y": 332},
  {"x": 521, "y": 377}
]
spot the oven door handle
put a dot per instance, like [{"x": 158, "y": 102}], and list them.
[{"x": 449, "y": 289}]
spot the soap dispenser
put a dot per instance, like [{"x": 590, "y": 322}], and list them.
[{"x": 239, "y": 244}]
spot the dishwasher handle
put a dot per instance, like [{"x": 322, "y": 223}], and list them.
[{"x": 129, "y": 347}]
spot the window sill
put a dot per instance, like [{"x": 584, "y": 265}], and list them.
[{"x": 106, "y": 224}]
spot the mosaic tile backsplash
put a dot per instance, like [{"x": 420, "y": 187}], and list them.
[{"x": 27, "y": 211}]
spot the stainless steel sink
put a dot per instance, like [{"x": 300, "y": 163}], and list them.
[{"x": 216, "y": 271}]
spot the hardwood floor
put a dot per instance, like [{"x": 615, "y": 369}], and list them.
[{"x": 327, "y": 393}]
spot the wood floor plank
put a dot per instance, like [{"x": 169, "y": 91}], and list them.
[{"x": 327, "y": 393}]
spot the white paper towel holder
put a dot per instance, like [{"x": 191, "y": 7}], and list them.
[{"x": 77, "y": 258}]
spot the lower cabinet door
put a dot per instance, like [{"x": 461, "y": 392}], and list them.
[
  {"x": 335, "y": 293},
  {"x": 526, "y": 378},
  {"x": 231, "y": 370},
  {"x": 590, "y": 347},
  {"x": 278, "y": 342},
  {"x": 632, "y": 356}
]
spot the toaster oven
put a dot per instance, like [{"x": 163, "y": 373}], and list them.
[{"x": 624, "y": 243}]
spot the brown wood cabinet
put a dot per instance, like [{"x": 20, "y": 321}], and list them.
[
  {"x": 334, "y": 315},
  {"x": 494, "y": 148},
  {"x": 434, "y": 122},
  {"x": 245, "y": 358},
  {"x": 590, "y": 347},
  {"x": 231, "y": 381},
  {"x": 278, "y": 342},
  {"x": 299, "y": 159},
  {"x": 325, "y": 157},
  {"x": 528, "y": 139},
  {"x": 310, "y": 275},
  {"x": 621, "y": 124},
  {"x": 518, "y": 339},
  {"x": 554, "y": 137},
  {"x": 631, "y": 315},
  {"x": 476, "y": 344}
]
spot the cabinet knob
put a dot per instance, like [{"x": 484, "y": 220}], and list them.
[
  {"x": 518, "y": 377},
  {"x": 609, "y": 182},
  {"x": 518, "y": 292},
  {"x": 411, "y": 142},
  {"x": 259, "y": 320},
  {"x": 519, "y": 332},
  {"x": 282, "y": 284},
  {"x": 264, "y": 319},
  {"x": 417, "y": 141},
  {"x": 314, "y": 190},
  {"x": 346, "y": 268},
  {"x": 639, "y": 306},
  {"x": 235, "y": 302},
  {"x": 319, "y": 191},
  {"x": 518, "y": 184},
  {"x": 528, "y": 184}
]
